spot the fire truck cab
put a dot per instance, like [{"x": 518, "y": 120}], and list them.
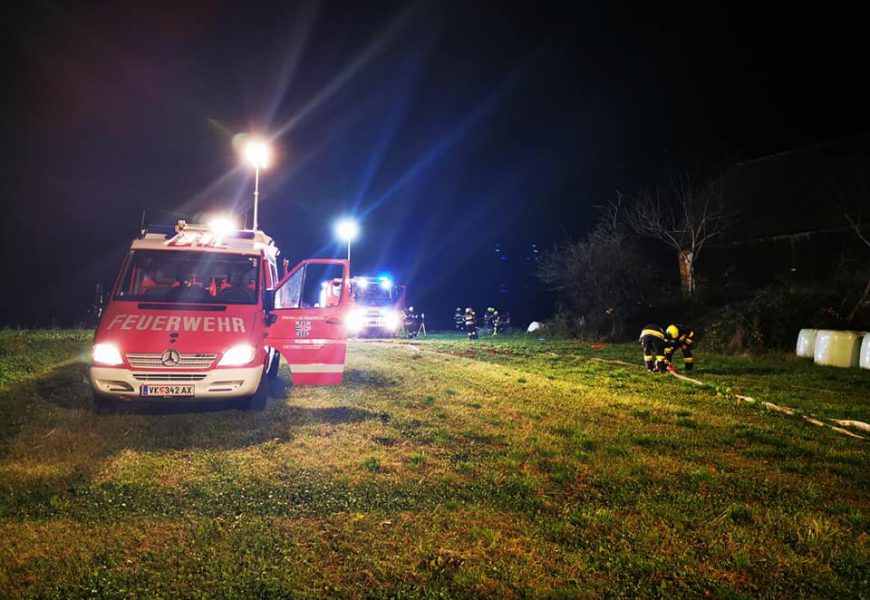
[
  {"x": 200, "y": 313},
  {"x": 377, "y": 306}
]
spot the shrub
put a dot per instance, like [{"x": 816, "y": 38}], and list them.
[
  {"x": 773, "y": 318},
  {"x": 604, "y": 282}
]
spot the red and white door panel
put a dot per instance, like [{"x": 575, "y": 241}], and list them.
[{"x": 309, "y": 331}]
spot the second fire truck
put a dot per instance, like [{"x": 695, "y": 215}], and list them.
[{"x": 377, "y": 306}]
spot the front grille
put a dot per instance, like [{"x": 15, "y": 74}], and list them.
[
  {"x": 168, "y": 376},
  {"x": 152, "y": 360}
]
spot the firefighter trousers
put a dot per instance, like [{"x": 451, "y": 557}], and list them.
[
  {"x": 688, "y": 359},
  {"x": 653, "y": 352}
]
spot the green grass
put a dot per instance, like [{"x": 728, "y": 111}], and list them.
[{"x": 495, "y": 469}]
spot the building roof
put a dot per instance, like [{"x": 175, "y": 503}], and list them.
[{"x": 799, "y": 191}]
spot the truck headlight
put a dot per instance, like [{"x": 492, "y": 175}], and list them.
[
  {"x": 391, "y": 320},
  {"x": 238, "y": 355},
  {"x": 107, "y": 354}
]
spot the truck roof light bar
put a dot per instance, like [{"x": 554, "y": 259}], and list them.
[
  {"x": 171, "y": 231},
  {"x": 167, "y": 230}
]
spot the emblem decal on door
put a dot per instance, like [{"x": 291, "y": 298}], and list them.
[{"x": 303, "y": 328}]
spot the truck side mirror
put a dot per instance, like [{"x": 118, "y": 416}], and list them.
[
  {"x": 99, "y": 299},
  {"x": 269, "y": 306},
  {"x": 95, "y": 310},
  {"x": 286, "y": 264}
]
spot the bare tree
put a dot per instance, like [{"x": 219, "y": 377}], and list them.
[
  {"x": 601, "y": 278},
  {"x": 850, "y": 188},
  {"x": 685, "y": 214},
  {"x": 859, "y": 229}
]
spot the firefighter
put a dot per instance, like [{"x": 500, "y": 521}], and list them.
[
  {"x": 410, "y": 322},
  {"x": 682, "y": 337},
  {"x": 470, "y": 324},
  {"x": 489, "y": 317},
  {"x": 459, "y": 319},
  {"x": 500, "y": 322},
  {"x": 652, "y": 338}
]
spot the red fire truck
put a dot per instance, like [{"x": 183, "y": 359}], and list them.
[
  {"x": 377, "y": 306},
  {"x": 200, "y": 312}
]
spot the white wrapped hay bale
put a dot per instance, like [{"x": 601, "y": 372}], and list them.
[
  {"x": 837, "y": 348},
  {"x": 806, "y": 343},
  {"x": 864, "y": 360}
]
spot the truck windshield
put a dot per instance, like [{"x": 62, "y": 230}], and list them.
[
  {"x": 189, "y": 277},
  {"x": 372, "y": 295}
]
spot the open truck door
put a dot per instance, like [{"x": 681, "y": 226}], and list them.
[{"x": 308, "y": 328}]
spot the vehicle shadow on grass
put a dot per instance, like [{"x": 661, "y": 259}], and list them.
[
  {"x": 56, "y": 444},
  {"x": 366, "y": 378},
  {"x": 160, "y": 425},
  {"x": 19, "y": 401},
  {"x": 68, "y": 387},
  {"x": 216, "y": 430}
]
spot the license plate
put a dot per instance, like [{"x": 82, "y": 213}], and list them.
[{"x": 166, "y": 390}]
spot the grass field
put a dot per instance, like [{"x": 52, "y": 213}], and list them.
[{"x": 514, "y": 468}]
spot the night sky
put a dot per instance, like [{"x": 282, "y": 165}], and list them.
[{"x": 450, "y": 129}]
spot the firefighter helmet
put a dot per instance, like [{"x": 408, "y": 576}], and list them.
[{"x": 673, "y": 332}]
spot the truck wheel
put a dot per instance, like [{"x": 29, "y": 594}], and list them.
[
  {"x": 257, "y": 401},
  {"x": 274, "y": 366},
  {"x": 104, "y": 405}
]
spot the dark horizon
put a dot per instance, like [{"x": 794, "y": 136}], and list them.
[{"x": 447, "y": 128}]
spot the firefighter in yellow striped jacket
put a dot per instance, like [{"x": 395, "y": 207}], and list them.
[
  {"x": 471, "y": 323},
  {"x": 652, "y": 338},
  {"x": 682, "y": 337}
]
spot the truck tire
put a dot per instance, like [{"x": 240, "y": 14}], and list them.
[
  {"x": 257, "y": 401},
  {"x": 274, "y": 366}
]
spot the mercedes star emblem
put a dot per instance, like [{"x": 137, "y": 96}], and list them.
[{"x": 170, "y": 358}]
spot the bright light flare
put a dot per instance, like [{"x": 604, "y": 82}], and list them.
[
  {"x": 257, "y": 154},
  {"x": 392, "y": 320},
  {"x": 355, "y": 321},
  {"x": 107, "y": 354},
  {"x": 221, "y": 227},
  {"x": 386, "y": 284},
  {"x": 238, "y": 356},
  {"x": 347, "y": 230}
]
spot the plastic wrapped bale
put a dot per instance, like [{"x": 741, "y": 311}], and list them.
[
  {"x": 864, "y": 361},
  {"x": 534, "y": 326},
  {"x": 837, "y": 348},
  {"x": 806, "y": 343}
]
